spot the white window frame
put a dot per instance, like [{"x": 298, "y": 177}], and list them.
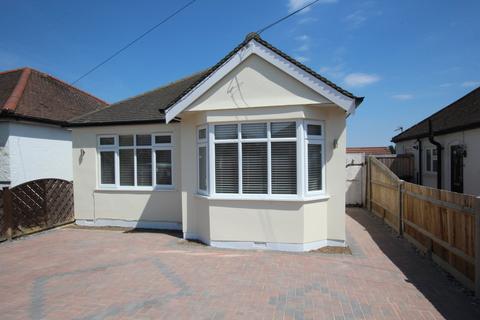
[
  {"x": 301, "y": 140},
  {"x": 202, "y": 143},
  {"x": 432, "y": 158},
  {"x": 153, "y": 148},
  {"x": 319, "y": 140}
]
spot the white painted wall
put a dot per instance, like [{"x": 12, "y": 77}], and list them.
[
  {"x": 4, "y": 154},
  {"x": 38, "y": 151},
  {"x": 355, "y": 179},
  {"x": 471, "y": 169}
]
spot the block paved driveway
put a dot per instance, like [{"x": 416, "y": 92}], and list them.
[{"x": 102, "y": 274}]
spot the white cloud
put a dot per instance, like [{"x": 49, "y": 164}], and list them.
[
  {"x": 302, "y": 59},
  {"x": 356, "y": 19},
  {"x": 360, "y": 79},
  {"x": 307, "y": 20},
  {"x": 337, "y": 71},
  {"x": 403, "y": 96},
  {"x": 303, "y": 37},
  {"x": 446, "y": 85},
  {"x": 471, "y": 84},
  {"x": 297, "y": 4}
]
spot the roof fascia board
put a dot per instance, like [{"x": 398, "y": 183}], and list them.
[{"x": 253, "y": 47}]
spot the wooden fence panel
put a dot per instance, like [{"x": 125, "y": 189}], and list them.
[
  {"x": 37, "y": 205},
  {"x": 384, "y": 193},
  {"x": 443, "y": 224},
  {"x": 401, "y": 164}
]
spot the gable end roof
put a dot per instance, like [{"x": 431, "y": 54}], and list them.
[
  {"x": 152, "y": 105},
  {"x": 460, "y": 115}
]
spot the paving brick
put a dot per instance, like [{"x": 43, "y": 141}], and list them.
[{"x": 102, "y": 274}]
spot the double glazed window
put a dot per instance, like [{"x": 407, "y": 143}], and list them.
[
  {"x": 136, "y": 161},
  {"x": 431, "y": 161},
  {"x": 262, "y": 158}
]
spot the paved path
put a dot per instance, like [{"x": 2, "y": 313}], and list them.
[{"x": 92, "y": 274}]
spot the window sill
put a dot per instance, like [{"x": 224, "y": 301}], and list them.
[
  {"x": 319, "y": 197},
  {"x": 139, "y": 190}
]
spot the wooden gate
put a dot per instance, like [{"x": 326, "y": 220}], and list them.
[{"x": 36, "y": 205}]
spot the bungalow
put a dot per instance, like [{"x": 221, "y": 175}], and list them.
[
  {"x": 247, "y": 154},
  {"x": 34, "y": 107},
  {"x": 446, "y": 146}
]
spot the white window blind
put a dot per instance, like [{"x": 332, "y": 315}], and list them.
[
  {"x": 254, "y": 130},
  {"x": 144, "y": 167},
  {"x": 127, "y": 167},
  {"x": 226, "y": 168},
  {"x": 226, "y": 131},
  {"x": 255, "y": 167},
  {"x": 314, "y": 167},
  {"x": 284, "y": 167},
  {"x": 284, "y": 129},
  {"x": 202, "y": 168},
  {"x": 107, "y": 167},
  {"x": 163, "y": 159}
]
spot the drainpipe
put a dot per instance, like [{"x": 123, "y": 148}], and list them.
[
  {"x": 439, "y": 154},
  {"x": 420, "y": 162}
]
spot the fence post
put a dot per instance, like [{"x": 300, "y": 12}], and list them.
[
  {"x": 477, "y": 246},
  {"x": 369, "y": 183},
  {"x": 400, "y": 207},
  {"x": 8, "y": 212}
]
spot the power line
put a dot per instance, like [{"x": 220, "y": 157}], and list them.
[
  {"x": 287, "y": 16},
  {"x": 133, "y": 41}
]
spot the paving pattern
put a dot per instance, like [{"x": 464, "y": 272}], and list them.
[{"x": 103, "y": 274}]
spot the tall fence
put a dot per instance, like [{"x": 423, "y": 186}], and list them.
[
  {"x": 401, "y": 164},
  {"x": 34, "y": 206},
  {"x": 444, "y": 225}
]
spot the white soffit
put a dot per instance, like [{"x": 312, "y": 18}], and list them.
[{"x": 253, "y": 47}]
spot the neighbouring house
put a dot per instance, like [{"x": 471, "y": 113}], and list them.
[
  {"x": 34, "y": 107},
  {"x": 247, "y": 154},
  {"x": 446, "y": 146}
]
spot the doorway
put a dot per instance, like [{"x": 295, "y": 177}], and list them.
[{"x": 456, "y": 159}]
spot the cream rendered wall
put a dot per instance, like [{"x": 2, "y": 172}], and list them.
[
  {"x": 256, "y": 83},
  {"x": 267, "y": 221},
  {"x": 92, "y": 203}
]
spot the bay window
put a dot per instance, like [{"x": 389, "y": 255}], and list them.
[
  {"x": 263, "y": 159},
  {"x": 202, "y": 162},
  {"x": 431, "y": 160},
  {"x": 142, "y": 161}
]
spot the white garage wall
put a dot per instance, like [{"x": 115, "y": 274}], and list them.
[{"x": 38, "y": 151}]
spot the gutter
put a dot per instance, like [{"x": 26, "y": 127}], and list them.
[{"x": 439, "y": 154}]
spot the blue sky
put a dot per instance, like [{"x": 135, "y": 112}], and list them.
[{"x": 408, "y": 58}]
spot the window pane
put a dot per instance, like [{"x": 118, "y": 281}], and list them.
[
  {"x": 226, "y": 168},
  {"x": 435, "y": 165},
  {"x": 202, "y": 134},
  {"x": 254, "y": 168},
  {"x": 125, "y": 141},
  {"x": 284, "y": 167},
  {"x": 314, "y": 130},
  {"x": 163, "y": 139},
  {"x": 226, "y": 131},
  {"x": 107, "y": 141},
  {"x": 202, "y": 168},
  {"x": 163, "y": 160},
  {"x": 127, "y": 171},
  {"x": 144, "y": 140},
  {"x": 314, "y": 167},
  {"x": 429, "y": 159},
  {"x": 107, "y": 167},
  {"x": 284, "y": 130},
  {"x": 254, "y": 130},
  {"x": 144, "y": 167}
]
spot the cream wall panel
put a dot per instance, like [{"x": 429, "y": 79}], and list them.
[{"x": 256, "y": 83}]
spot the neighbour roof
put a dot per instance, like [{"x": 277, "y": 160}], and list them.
[
  {"x": 29, "y": 94},
  {"x": 151, "y": 106},
  {"x": 460, "y": 115},
  {"x": 370, "y": 150}
]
